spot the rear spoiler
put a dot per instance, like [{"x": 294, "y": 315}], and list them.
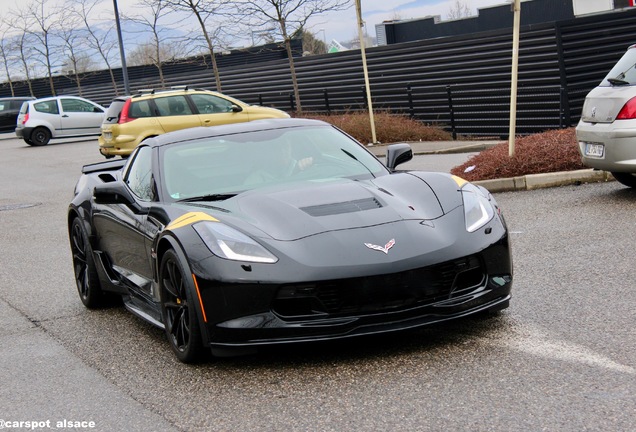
[{"x": 112, "y": 165}]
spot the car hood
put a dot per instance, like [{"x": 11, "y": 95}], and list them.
[
  {"x": 291, "y": 212},
  {"x": 255, "y": 112},
  {"x": 603, "y": 104}
]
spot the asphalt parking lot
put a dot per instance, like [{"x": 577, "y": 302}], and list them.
[{"x": 561, "y": 358}]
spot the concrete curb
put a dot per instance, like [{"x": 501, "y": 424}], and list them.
[
  {"x": 540, "y": 181},
  {"x": 472, "y": 148}
]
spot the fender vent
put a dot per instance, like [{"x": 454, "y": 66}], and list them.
[{"x": 343, "y": 207}]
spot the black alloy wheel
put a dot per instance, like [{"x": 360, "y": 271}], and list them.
[
  {"x": 179, "y": 310},
  {"x": 628, "y": 179},
  {"x": 86, "y": 278},
  {"x": 39, "y": 137}
]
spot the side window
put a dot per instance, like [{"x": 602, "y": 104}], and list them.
[
  {"x": 75, "y": 105},
  {"x": 49, "y": 107},
  {"x": 139, "y": 175},
  {"x": 140, "y": 109},
  {"x": 207, "y": 104},
  {"x": 173, "y": 106}
]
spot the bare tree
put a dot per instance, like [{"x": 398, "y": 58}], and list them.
[
  {"x": 23, "y": 47},
  {"x": 146, "y": 53},
  {"x": 6, "y": 50},
  {"x": 459, "y": 10},
  {"x": 154, "y": 13},
  {"x": 44, "y": 19},
  {"x": 312, "y": 45},
  {"x": 289, "y": 16},
  {"x": 205, "y": 11},
  {"x": 74, "y": 46},
  {"x": 98, "y": 40}
]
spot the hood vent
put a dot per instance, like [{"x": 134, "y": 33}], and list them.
[{"x": 343, "y": 207}]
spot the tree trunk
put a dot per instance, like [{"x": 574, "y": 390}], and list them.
[{"x": 292, "y": 69}]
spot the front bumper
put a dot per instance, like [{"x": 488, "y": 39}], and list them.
[{"x": 273, "y": 313}]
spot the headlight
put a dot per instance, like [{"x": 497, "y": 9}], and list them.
[
  {"x": 478, "y": 210},
  {"x": 228, "y": 243}
]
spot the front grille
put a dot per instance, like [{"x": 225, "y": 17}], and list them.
[{"x": 381, "y": 293}]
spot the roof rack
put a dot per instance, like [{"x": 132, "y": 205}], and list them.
[{"x": 151, "y": 91}]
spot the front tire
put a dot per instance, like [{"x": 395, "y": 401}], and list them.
[
  {"x": 86, "y": 278},
  {"x": 39, "y": 137},
  {"x": 178, "y": 309},
  {"x": 628, "y": 179}
]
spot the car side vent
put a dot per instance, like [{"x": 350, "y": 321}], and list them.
[
  {"x": 342, "y": 207},
  {"x": 107, "y": 178}
]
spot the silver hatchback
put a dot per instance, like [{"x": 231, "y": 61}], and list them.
[
  {"x": 607, "y": 130},
  {"x": 58, "y": 117}
]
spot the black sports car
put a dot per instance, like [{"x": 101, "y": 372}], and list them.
[{"x": 284, "y": 230}]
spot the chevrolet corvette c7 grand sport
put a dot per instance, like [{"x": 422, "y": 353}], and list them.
[{"x": 283, "y": 230}]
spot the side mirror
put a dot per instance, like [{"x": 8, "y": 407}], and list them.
[
  {"x": 116, "y": 193},
  {"x": 236, "y": 108},
  {"x": 397, "y": 154}
]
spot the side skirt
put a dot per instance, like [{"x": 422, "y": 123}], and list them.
[{"x": 143, "y": 310}]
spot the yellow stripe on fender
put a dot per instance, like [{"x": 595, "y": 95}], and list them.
[
  {"x": 190, "y": 218},
  {"x": 460, "y": 181}
]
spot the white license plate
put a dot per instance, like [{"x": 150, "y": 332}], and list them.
[
  {"x": 594, "y": 150},
  {"x": 108, "y": 136}
]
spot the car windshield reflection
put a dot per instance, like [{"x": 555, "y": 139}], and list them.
[{"x": 216, "y": 168}]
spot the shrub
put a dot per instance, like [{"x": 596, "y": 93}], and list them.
[
  {"x": 551, "y": 151},
  {"x": 389, "y": 127}
]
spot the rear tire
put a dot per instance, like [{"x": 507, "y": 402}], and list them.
[
  {"x": 628, "y": 179},
  {"x": 86, "y": 278},
  {"x": 178, "y": 309},
  {"x": 39, "y": 137}
]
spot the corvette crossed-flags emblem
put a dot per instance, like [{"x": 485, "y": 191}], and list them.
[{"x": 384, "y": 248}]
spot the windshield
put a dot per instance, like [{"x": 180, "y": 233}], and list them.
[
  {"x": 623, "y": 72},
  {"x": 217, "y": 168}
]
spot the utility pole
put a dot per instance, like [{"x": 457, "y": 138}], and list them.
[
  {"x": 515, "y": 75},
  {"x": 366, "y": 72}
]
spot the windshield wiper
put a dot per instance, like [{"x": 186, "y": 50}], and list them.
[
  {"x": 357, "y": 160},
  {"x": 617, "y": 81},
  {"x": 210, "y": 197}
]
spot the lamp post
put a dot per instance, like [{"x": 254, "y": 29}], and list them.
[
  {"x": 124, "y": 70},
  {"x": 324, "y": 36}
]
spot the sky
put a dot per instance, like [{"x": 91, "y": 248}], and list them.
[{"x": 342, "y": 25}]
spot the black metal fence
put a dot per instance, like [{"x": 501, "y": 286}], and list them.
[{"x": 461, "y": 83}]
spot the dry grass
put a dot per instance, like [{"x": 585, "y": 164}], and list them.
[
  {"x": 389, "y": 127},
  {"x": 550, "y": 151}
]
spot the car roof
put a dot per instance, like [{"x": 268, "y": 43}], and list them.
[
  {"x": 143, "y": 93},
  {"x": 17, "y": 98},
  {"x": 60, "y": 97},
  {"x": 230, "y": 129}
]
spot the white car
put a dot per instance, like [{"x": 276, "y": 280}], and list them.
[
  {"x": 607, "y": 130},
  {"x": 58, "y": 117}
]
